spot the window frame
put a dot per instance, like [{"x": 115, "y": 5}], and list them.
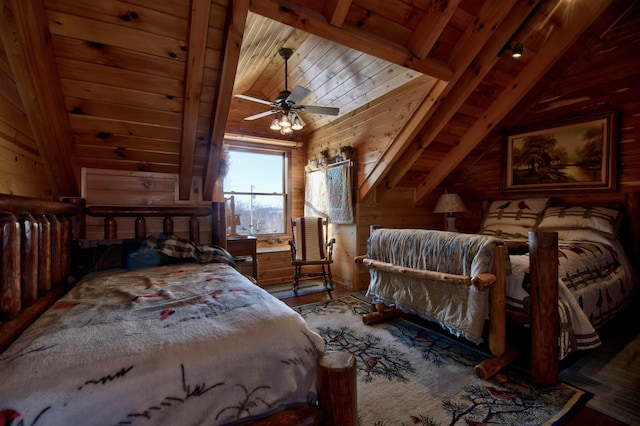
[{"x": 287, "y": 176}]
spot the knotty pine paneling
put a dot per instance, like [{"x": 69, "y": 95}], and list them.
[
  {"x": 396, "y": 210},
  {"x": 370, "y": 130},
  {"x": 603, "y": 78},
  {"x": 21, "y": 169},
  {"x": 117, "y": 187}
]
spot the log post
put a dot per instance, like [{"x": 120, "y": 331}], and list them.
[
  {"x": 194, "y": 229},
  {"x": 543, "y": 253},
  {"x": 10, "y": 301},
  {"x": 498, "y": 303},
  {"x": 167, "y": 225},
  {"x": 110, "y": 228},
  {"x": 29, "y": 259},
  {"x": 219, "y": 224},
  {"x": 141, "y": 227},
  {"x": 337, "y": 388},
  {"x": 44, "y": 255},
  {"x": 56, "y": 251}
]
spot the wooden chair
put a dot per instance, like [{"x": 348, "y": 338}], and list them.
[{"x": 311, "y": 247}]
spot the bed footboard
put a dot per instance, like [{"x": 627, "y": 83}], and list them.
[{"x": 494, "y": 282}]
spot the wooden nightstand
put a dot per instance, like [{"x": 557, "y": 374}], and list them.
[{"x": 244, "y": 246}]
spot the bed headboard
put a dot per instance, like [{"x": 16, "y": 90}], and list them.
[
  {"x": 35, "y": 249},
  {"x": 629, "y": 228}
]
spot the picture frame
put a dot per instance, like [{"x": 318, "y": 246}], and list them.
[{"x": 577, "y": 154}]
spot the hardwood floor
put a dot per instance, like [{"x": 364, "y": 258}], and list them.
[{"x": 585, "y": 417}]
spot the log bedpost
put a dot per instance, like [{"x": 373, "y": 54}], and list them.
[
  {"x": 337, "y": 388},
  {"x": 219, "y": 224},
  {"x": 543, "y": 252}
]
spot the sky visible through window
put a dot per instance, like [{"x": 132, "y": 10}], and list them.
[
  {"x": 262, "y": 171},
  {"x": 256, "y": 182}
]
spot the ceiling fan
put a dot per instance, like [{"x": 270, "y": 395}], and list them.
[{"x": 286, "y": 102}]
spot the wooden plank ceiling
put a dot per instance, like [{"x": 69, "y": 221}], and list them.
[{"x": 149, "y": 84}]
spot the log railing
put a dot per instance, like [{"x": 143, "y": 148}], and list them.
[{"x": 35, "y": 255}]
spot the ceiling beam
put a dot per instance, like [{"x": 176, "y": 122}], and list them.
[
  {"x": 316, "y": 23},
  {"x": 234, "y": 28},
  {"x": 196, "y": 49},
  {"x": 445, "y": 99},
  {"x": 336, "y": 11},
  {"x": 27, "y": 42},
  {"x": 575, "y": 24},
  {"x": 430, "y": 27},
  {"x": 481, "y": 44}
]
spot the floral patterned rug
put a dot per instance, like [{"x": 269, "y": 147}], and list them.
[{"x": 410, "y": 375}]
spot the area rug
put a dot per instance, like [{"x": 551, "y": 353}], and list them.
[
  {"x": 283, "y": 291},
  {"x": 410, "y": 375}
]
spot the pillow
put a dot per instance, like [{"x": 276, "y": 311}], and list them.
[
  {"x": 516, "y": 217},
  {"x": 507, "y": 232},
  {"x": 599, "y": 219},
  {"x": 89, "y": 256},
  {"x": 173, "y": 249}
]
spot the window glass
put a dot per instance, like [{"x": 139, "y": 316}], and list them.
[{"x": 256, "y": 180}]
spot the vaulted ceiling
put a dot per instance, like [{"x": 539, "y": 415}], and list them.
[{"x": 150, "y": 84}]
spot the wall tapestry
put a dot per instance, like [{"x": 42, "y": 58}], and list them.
[{"x": 328, "y": 193}]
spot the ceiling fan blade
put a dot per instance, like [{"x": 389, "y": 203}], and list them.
[
  {"x": 262, "y": 114},
  {"x": 298, "y": 94},
  {"x": 249, "y": 98},
  {"x": 302, "y": 123},
  {"x": 319, "y": 110}
]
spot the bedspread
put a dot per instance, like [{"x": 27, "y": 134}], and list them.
[
  {"x": 594, "y": 282},
  {"x": 178, "y": 345},
  {"x": 462, "y": 310}
]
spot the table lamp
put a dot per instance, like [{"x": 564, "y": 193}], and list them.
[{"x": 450, "y": 204}]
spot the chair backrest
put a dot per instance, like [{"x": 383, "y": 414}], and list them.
[{"x": 310, "y": 238}]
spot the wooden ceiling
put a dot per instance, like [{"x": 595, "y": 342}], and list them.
[{"x": 149, "y": 84}]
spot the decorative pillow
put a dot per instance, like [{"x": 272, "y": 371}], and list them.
[
  {"x": 507, "y": 214},
  {"x": 598, "y": 219},
  {"x": 507, "y": 232}
]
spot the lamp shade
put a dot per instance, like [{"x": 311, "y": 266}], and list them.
[{"x": 449, "y": 203}]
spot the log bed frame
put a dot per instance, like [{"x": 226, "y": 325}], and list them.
[
  {"x": 35, "y": 252},
  {"x": 543, "y": 320}
]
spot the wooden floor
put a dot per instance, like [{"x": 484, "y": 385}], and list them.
[{"x": 584, "y": 417}]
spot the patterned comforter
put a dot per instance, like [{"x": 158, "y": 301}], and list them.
[
  {"x": 595, "y": 284},
  {"x": 462, "y": 310},
  {"x": 184, "y": 344},
  {"x": 595, "y": 281}
]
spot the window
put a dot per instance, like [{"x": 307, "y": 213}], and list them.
[{"x": 257, "y": 181}]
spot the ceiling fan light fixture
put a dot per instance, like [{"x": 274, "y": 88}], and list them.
[
  {"x": 297, "y": 125},
  {"x": 284, "y": 121},
  {"x": 275, "y": 125},
  {"x": 286, "y": 131}
]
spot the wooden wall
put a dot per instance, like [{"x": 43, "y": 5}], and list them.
[
  {"x": 119, "y": 187},
  {"x": 369, "y": 130},
  {"x": 21, "y": 169},
  {"x": 606, "y": 77}
]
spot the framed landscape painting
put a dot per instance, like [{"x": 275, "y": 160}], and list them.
[{"x": 570, "y": 155}]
